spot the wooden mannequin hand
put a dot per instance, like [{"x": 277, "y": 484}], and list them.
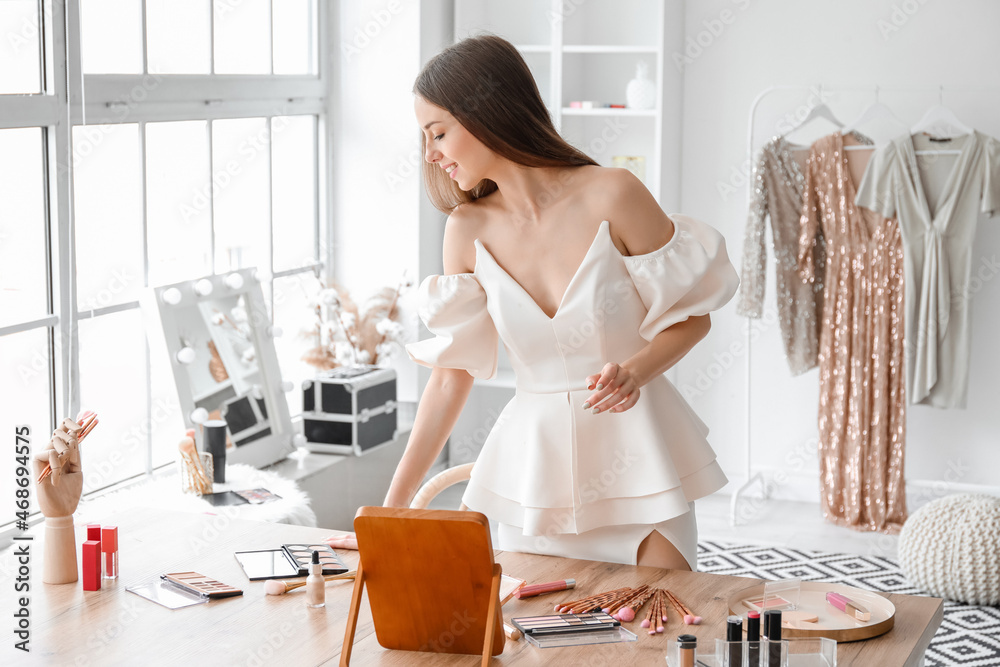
[
  {"x": 345, "y": 541},
  {"x": 59, "y": 493},
  {"x": 616, "y": 385}
]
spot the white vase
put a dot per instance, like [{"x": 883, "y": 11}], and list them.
[{"x": 641, "y": 91}]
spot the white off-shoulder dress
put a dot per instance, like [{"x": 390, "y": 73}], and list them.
[{"x": 556, "y": 478}]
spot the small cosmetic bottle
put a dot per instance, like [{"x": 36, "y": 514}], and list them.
[
  {"x": 315, "y": 584},
  {"x": 688, "y": 645},
  {"x": 109, "y": 549}
]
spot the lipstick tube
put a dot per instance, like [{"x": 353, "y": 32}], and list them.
[
  {"x": 91, "y": 565},
  {"x": 109, "y": 549},
  {"x": 734, "y": 636},
  {"x": 538, "y": 589},
  {"x": 753, "y": 638},
  {"x": 848, "y": 606}
]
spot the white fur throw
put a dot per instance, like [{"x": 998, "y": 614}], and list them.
[
  {"x": 951, "y": 548},
  {"x": 164, "y": 491}
]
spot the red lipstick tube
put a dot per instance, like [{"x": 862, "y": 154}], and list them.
[
  {"x": 109, "y": 549},
  {"x": 538, "y": 589},
  {"x": 91, "y": 565}
]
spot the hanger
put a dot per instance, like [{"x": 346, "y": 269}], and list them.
[
  {"x": 875, "y": 112},
  {"x": 940, "y": 121},
  {"x": 820, "y": 110}
]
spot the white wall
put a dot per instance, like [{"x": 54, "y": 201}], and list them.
[
  {"x": 850, "y": 42},
  {"x": 376, "y": 180}
]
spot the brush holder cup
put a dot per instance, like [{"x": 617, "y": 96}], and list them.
[{"x": 194, "y": 481}]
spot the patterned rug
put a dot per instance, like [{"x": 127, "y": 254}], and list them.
[{"x": 968, "y": 635}]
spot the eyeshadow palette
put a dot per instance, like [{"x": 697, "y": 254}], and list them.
[
  {"x": 565, "y": 623},
  {"x": 555, "y": 630},
  {"x": 202, "y": 585},
  {"x": 301, "y": 554},
  {"x": 291, "y": 560}
]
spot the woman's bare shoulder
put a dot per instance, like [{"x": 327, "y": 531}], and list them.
[
  {"x": 464, "y": 225},
  {"x": 638, "y": 224}
]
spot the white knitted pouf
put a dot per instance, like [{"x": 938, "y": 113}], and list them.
[{"x": 951, "y": 548}]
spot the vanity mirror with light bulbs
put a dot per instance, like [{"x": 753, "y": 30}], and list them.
[{"x": 220, "y": 342}]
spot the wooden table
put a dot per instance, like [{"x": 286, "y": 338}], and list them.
[{"x": 114, "y": 627}]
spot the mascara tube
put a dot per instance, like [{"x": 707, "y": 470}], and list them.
[
  {"x": 753, "y": 638},
  {"x": 734, "y": 637},
  {"x": 772, "y": 630}
]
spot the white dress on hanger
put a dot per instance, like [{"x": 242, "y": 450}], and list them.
[
  {"x": 559, "y": 479},
  {"x": 937, "y": 251}
]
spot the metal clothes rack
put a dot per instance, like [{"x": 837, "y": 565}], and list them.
[{"x": 752, "y": 477}]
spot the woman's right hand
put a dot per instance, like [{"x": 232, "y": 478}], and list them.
[{"x": 343, "y": 541}]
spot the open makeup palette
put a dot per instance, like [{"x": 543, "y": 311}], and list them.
[{"x": 291, "y": 560}]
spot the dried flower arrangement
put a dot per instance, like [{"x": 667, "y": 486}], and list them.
[{"x": 346, "y": 335}]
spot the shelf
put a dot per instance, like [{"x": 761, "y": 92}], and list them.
[
  {"x": 606, "y": 48},
  {"x": 505, "y": 379},
  {"x": 570, "y": 111}
]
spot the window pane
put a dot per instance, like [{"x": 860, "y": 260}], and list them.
[
  {"x": 22, "y": 227},
  {"x": 112, "y": 36},
  {"x": 113, "y": 384},
  {"x": 20, "y": 68},
  {"x": 293, "y": 184},
  {"x": 178, "y": 39},
  {"x": 298, "y": 321},
  {"x": 294, "y": 37},
  {"x": 166, "y": 422},
  {"x": 24, "y": 393},
  {"x": 178, "y": 201},
  {"x": 107, "y": 196},
  {"x": 240, "y": 156},
  {"x": 242, "y": 37}
]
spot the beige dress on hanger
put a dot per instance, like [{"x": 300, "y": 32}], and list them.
[
  {"x": 862, "y": 406},
  {"x": 937, "y": 201},
  {"x": 777, "y": 194},
  {"x": 556, "y": 478}
]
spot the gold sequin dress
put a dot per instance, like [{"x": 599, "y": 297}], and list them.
[
  {"x": 777, "y": 194},
  {"x": 862, "y": 405}
]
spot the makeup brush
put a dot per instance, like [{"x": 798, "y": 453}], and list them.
[
  {"x": 281, "y": 586},
  {"x": 87, "y": 421},
  {"x": 682, "y": 610}
]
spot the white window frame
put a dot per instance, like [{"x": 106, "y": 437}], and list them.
[{"x": 71, "y": 99}]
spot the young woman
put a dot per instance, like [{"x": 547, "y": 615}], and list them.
[{"x": 594, "y": 291}]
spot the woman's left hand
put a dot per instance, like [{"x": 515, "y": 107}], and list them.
[{"x": 616, "y": 389}]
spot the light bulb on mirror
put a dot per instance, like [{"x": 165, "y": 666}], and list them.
[
  {"x": 256, "y": 392},
  {"x": 299, "y": 440},
  {"x": 171, "y": 296},
  {"x": 203, "y": 287},
  {"x": 275, "y": 331},
  {"x": 199, "y": 415},
  {"x": 186, "y": 355},
  {"x": 234, "y": 281},
  {"x": 286, "y": 386}
]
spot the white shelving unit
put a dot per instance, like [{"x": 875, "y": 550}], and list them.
[
  {"x": 576, "y": 51},
  {"x": 586, "y": 51}
]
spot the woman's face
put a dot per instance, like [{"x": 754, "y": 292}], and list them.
[{"x": 450, "y": 146}]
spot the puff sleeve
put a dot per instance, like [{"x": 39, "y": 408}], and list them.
[
  {"x": 991, "y": 178},
  {"x": 453, "y": 308},
  {"x": 690, "y": 275}
]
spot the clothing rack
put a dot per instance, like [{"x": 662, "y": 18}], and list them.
[{"x": 753, "y": 477}]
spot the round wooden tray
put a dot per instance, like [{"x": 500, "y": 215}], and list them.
[{"x": 832, "y": 622}]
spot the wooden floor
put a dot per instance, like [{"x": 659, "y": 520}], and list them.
[{"x": 771, "y": 522}]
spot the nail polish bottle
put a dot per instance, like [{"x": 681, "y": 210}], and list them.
[
  {"x": 109, "y": 549},
  {"x": 315, "y": 584}
]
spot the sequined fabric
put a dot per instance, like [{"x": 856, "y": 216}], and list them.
[
  {"x": 862, "y": 405},
  {"x": 777, "y": 193}
]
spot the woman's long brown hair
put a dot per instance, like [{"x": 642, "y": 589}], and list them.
[{"x": 485, "y": 84}]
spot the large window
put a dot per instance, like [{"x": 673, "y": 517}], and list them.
[{"x": 143, "y": 143}]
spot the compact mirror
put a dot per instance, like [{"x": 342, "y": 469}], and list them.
[{"x": 219, "y": 339}]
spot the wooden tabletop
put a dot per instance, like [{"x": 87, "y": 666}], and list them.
[{"x": 114, "y": 627}]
